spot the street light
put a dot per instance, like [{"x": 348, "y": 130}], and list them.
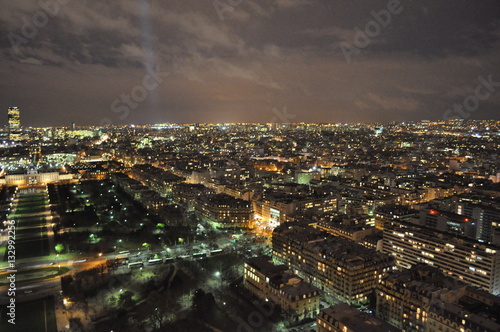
[{"x": 218, "y": 275}]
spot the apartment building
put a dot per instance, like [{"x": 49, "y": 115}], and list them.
[{"x": 466, "y": 259}]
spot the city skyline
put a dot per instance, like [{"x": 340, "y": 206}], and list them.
[
  {"x": 249, "y": 61},
  {"x": 250, "y": 165},
  {"x": 241, "y": 227}
]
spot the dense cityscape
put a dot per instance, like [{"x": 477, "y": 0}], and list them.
[
  {"x": 251, "y": 227},
  {"x": 249, "y": 166}
]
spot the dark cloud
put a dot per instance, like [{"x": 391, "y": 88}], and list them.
[{"x": 238, "y": 63}]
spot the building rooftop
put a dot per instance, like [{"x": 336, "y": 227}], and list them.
[
  {"x": 457, "y": 313},
  {"x": 294, "y": 286},
  {"x": 224, "y": 199},
  {"x": 325, "y": 244},
  {"x": 426, "y": 280},
  {"x": 264, "y": 265},
  {"x": 279, "y": 278},
  {"x": 355, "y": 320}
]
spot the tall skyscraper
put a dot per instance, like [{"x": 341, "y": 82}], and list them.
[{"x": 14, "y": 121}]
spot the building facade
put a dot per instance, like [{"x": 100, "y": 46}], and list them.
[
  {"x": 466, "y": 259},
  {"x": 14, "y": 123},
  {"x": 487, "y": 218},
  {"x": 339, "y": 267},
  {"x": 224, "y": 211},
  {"x": 423, "y": 298},
  {"x": 404, "y": 298},
  {"x": 274, "y": 283},
  {"x": 344, "y": 318}
]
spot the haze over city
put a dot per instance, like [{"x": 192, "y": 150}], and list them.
[{"x": 237, "y": 61}]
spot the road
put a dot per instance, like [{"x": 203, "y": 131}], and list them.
[{"x": 37, "y": 289}]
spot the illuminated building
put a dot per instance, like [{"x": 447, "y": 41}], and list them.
[
  {"x": 156, "y": 178},
  {"x": 150, "y": 199},
  {"x": 274, "y": 283},
  {"x": 277, "y": 208},
  {"x": 354, "y": 233},
  {"x": 91, "y": 170},
  {"x": 14, "y": 121},
  {"x": 74, "y": 133},
  {"x": 424, "y": 299},
  {"x": 302, "y": 177},
  {"x": 386, "y": 213},
  {"x": 224, "y": 211},
  {"x": 466, "y": 259},
  {"x": 344, "y": 318},
  {"x": 487, "y": 218},
  {"x": 339, "y": 267},
  {"x": 186, "y": 193},
  {"x": 474, "y": 311},
  {"x": 448, "y": 222},
  {"x": 403, "y": 298},
  {"x": 33, "y": 177},
  {"x": 378, "y": 130}
]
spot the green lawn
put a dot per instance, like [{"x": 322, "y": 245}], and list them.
[
  {"x": 29, "y": 233},
  {"x": 31, "y": 248},
  {"x": 31, "y": 239},
  {"x": 30, "y": 209},
  {"x": 34, "y": 316},
  {"x": 29, "y": 221}
]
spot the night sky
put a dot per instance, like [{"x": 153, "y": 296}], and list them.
[{"x": 246, "y": 60}]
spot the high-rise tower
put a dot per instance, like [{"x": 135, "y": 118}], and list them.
[{"x": 14, "y": 120}]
